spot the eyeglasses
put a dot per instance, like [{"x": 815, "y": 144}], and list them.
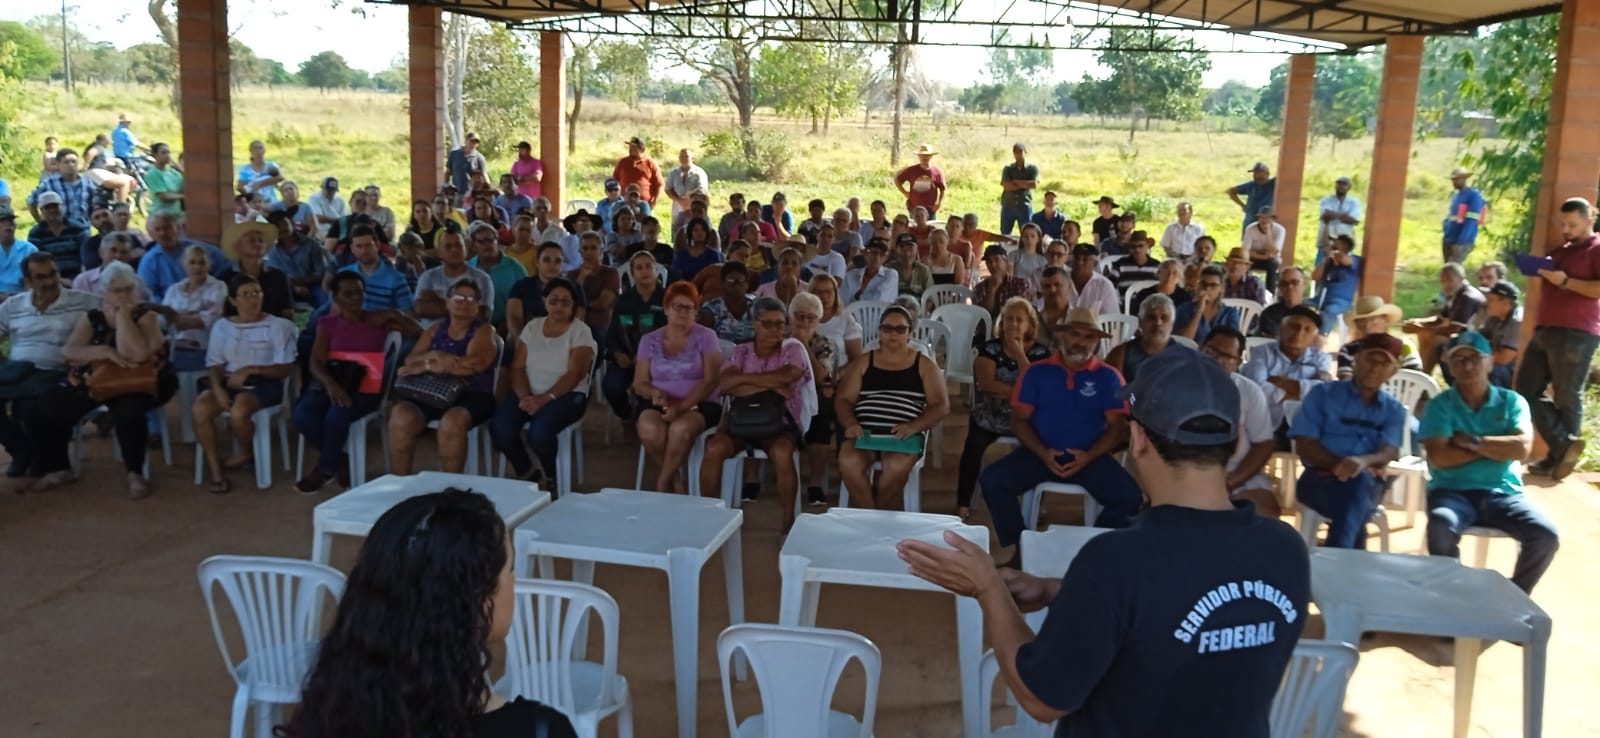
[
  {"x": 894, "y": 329},
  {"x": 681, "y": 307},
  {"x": 1217, "y": 353},
  {"x": 806, "y": 317},
  {"x": 773, "y": 324},
  {"x": 1211, "y": 285},
  {"x": 464, "y": 298},
  {"x": 1465, "y": 358},
  {"x": 1290, "y": 282}
]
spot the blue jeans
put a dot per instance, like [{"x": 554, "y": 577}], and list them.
[
  {"x": 1014, "y": 217},
  {"x": 1005, "y": 481},
  {"x": 327, "y": 426},
  {"x": 1452, "y": 511},
  {"x": 1332, "y": 315},
  {"x": 1557, "y": 358},
  {"x": 1347, "y": 505},
  {"x": 542, "y": 429}
]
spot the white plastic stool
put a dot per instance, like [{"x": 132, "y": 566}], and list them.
[{"x": 1033, "y": 500}]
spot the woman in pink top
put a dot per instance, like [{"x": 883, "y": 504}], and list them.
[
  {"x": 675, "y": 380},
  {"x": 775, "y": 364}
]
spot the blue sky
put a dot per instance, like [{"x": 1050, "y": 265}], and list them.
[{"x": 293, "y": 36}]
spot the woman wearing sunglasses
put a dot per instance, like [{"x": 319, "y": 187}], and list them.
[
  {"x": 463, "y": 346},
  {"x": 894, "y": 390}
]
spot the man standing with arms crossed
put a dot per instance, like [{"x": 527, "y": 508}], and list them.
[
  {"x": 684, "y": 182},
  {"x": 1017, "y": 181},
  {"x": 922, "y": 183},
  {"x": 1564, "y": 340},
  {"x": 1186, "y": 619}
]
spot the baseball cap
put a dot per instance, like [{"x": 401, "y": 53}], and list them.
[
  {"x": 1468, "y": 339},
  {"x": 1185, "y": 397},
  {"x": 1085, "y": 249},
  {"x": 1050, "y": 193},
  {"x": 994, "y": 250},
  {"x": 47, "y": 199},
  {"x": 906, "y": 238},
  {"x": 878, "y": 243},
  {"x": 612, "y": 184},
  {"x": 1374, "y": 342},
  {"x": 636, "y": 141},
  {"x": 1260, "y": 166},
  {"x": 1265, "y": 212},
  {"x": 1507, "y": 290},
  {"x": 1305, "y": 311},
  {"x": 5, "y": 189},
  {"x": 524, "y": 145},
  {"x": 6, "y": 214},
  {"x": 1342, "y": 180},
  {"x": 331, "y": 183},
  {"x": 472, "y": 136},
  {"x": 1128, "y": 215}
]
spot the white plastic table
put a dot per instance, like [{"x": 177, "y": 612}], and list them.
[
  {"x": 673, "y": 533},
  {"x": 853, "y": 546},
  {"x": 1048, "y": 553},
  {"x": 354, "y": 513},
  {"x": 1360, "y": 591}
]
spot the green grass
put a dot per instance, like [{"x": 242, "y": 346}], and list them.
[{"x": 361, "y": 137}]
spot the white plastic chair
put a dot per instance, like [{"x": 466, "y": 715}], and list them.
[
  {"x": 355, "y": 446},
  {"x": 1409, "y": 386},
  {"x": 963, "y": 322},
  {"x": 797, "y": 670},
  {"x": 733, "y": 476},
  {"x": 545, "y": 648},
  {"x": 1480, "y": 557},
  {"x": 913, "y": 493},
  {"x": 264, "y": 420},
  {"x": 479, "y": 445},
  {"x": 867, "y": 313},
  {"x": 940, "y": 295},
  {"x": 576, "y": 204},
  {"x": 1186, "y": 342},
  {"x": 1024, "y": 726},
  {"x": 1033, "y": 500},
  {"x": 1249, "y": 311},
  {"x": 1312, "y": 691},
  {"x": 1121, "y": 327},
  {"x": 278, "y": 605},
  {"x": 1311, "y": 521},
  {"x": 1252, "y": 342},
  {"x": 697, "y": 452},
  {"x": 1134, "y": 288},
  {"x": 934, "y": 335},
  {"x": 569, "y": 457}
]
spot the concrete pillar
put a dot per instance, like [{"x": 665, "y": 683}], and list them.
[
  {"x": 204, "y": 96},
  {"x": 1292, "y": 151},
  {"x": 553, "y": 117},
  {"x": 427, "y": 85},
  {"x": 1391, "y": 158}
]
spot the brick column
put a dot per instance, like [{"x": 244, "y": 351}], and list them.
[
  {"x": 1391, "y": 157},
  {"x": 427, "y": 102},
  {"x": 1292, "y": 151},
  {"x": 553, "y": 118},
  {"x": 207, "y": 113}
]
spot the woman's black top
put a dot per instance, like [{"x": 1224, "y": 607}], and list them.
[{"x": 521, "y": 718}]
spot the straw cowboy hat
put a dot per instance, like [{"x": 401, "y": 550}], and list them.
[
  {"x": 798, "y": 243},
  {"x": 926, "y": 150},
  {"x": 232, "y": 235},
  {"x": 1372, "y": 306},
  {"x": 1459, "y": 172},
  {"x": 1081, "y": 317}
]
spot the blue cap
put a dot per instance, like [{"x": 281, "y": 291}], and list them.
[
  {"x": 5, "y": 189},
  {"x": 612, "y": 184},
  {"x": 1466, "y": 339},
  {"x": 1186, "y": 398}
]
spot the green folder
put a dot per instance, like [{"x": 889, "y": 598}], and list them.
[{"x": 908, "y": 445}]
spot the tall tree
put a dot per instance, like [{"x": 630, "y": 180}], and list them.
[
  {"x": 902, "y": 50},
  {"x": 1146, "y": 84},
  {"x": 809, "y": 80},
  {"x": 325, "y": 71},
  {"x": 1345, "y": 92},
  {"x": 726, "y": 56},
  {"x": 622, "y": 69},
  {"x": 151, "y": 64},
  {"x": 1511, "y": 77},
  {"x": 497, "y": 98},
  {"x": 31, "y": 56},
  {"x": 1234, "y": 99},
  {"x": 580, "y": 75}
]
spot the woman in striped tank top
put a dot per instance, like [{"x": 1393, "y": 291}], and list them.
[{"x": 892, "y": 390}]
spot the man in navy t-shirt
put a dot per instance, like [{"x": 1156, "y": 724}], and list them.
[{"x": 1180, "y": 625}]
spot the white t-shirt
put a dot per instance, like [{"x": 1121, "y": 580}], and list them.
[
  {"x": 547, "y": 357},
  {"x": 1259, "y": 241},
  {"x": 831, "y": 262},
  {"x": 266, "y": 342},
  {"x": 843, "y": 327},
  {"x": 1256, "y": 428}
]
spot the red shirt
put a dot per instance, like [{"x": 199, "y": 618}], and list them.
[
  {"x": 642, "y": 171},
  {"x": 1563, "y": 308},
  {"x": 926, "y": 185}
]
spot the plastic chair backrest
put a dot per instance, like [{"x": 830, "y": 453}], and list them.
[
  {"x": 661, "y": 275},
  {"x": 867, "y": 313},
  {"x": 1409, "y": 386},
  {"x": 1186, "y": 341},
  {"x": 1121, "y": 328},
  {"x": 727, "y": 347},
  {"x": 963, "y": 322},
  {"x": 1025, "y": 726},
  {"x": 940, "y": 295},
  {"x": 934, "y": 334},
  {"x": 1133, "y": 291},
  {"x": 278, "y": 603},
  {"x": 1249, "y": 311},
  {"x": 797, "y": 671},
  {"x": 391, "y": 365},
  {"x": 546, "y": 622},
  {"x": 1253, "y": 341},
  {"x": 1313, "y": 688}
]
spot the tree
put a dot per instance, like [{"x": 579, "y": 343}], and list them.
[
  {"x": 497, "y": 97},
  {"x": 1345, "y": 93},
  {"x": 325, "y": 71},
  {"x": 621, "y": 70},
  {"x": 1063, "y": 96},
  {"x": 1009, "y": 67},
  {"x": 701, "y": 92},
  {"x": 1511, "y": 77},
  {"x": 244, "y": 67},
  {"x": 49, "y": 27},
  {"x": 1163, "y": 84},
  {"x": 31, "y": 56},
  {"x": 394, "y": 79},
  {"x": 902, "y": 50},
  {"x": 727, "y": 62},
  {"x": 17, "y": 161},
  {"x": 983, "y": 98},
  {"x": 151, "y": 64},
  {"x": 580, "y": 72},
  {"x": 810, "y": 80},
  {"x": 1234, "y": 99}
]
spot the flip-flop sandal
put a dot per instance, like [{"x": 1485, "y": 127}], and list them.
[
  {"x": 238, "y": 463},
  {"x": 220, "y": 487}
]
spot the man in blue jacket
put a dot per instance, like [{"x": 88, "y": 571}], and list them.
[{"x": 1467, "y": 209}]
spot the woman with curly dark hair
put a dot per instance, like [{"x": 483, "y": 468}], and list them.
[{"x": 408, "y": 653}]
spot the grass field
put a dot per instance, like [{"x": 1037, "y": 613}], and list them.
[{"x": 361, "y": 137}]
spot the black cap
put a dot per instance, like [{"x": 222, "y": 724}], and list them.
[
  {"x": 1304, "y": 311},
  {"x": 1507, "y": 290},
  {"x": 1085, "y": 249},
  {"x": 1185, "y": 397},
  {"x": 906, "y": 238}
]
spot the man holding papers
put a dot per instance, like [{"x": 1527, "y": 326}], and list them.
[{"x": 1564, "y": 340}]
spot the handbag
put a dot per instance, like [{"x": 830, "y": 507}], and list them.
[
  {"x": 761, "y": 415},
  {"x": 432, "y": 391},
  {"x": 347, "y": 374},
  {"x": 109, "y": 380}
]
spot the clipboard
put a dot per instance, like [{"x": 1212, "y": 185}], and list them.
[{"x": 1530, "y": 265}]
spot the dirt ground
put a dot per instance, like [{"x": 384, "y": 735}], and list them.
[{"x": 103, "y": 630}]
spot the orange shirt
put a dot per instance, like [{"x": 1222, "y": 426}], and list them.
[{"x": 641, "y": 171}]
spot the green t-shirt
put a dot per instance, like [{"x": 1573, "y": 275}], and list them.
[
  {"x": 1018, "y": 198},
  {"x": 1504, "y": 413},
  {"x": 160, "y": 181}
]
